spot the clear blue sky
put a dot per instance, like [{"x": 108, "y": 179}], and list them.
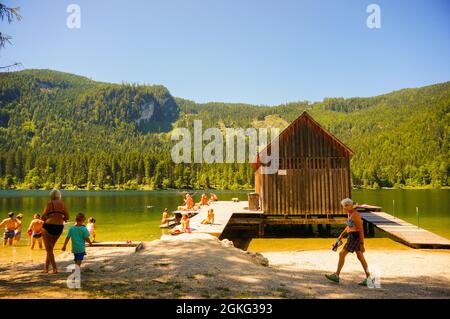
[{"x": 253, "y": 51}]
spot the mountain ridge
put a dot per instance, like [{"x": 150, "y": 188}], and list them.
[{"x": 118, "y": 134}]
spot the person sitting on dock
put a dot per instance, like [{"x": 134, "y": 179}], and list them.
[
  {"x": 210, "y": 218},
  {"x": 183, "y": 227},
  {"x": 91, "y": 227},
  {"x": 203, "y": 200},
  {"x": 36, "y": 230},
  {"x": 213, "y": 198},
  {"x": 10, "y": 224},
  {"x": 79, "y": 235},
  {"x": 189, "y": 203},
  {"x": 355, "y": 241}
]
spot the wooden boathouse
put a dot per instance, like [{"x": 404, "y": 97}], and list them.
[{"x": 313, "y": 176}]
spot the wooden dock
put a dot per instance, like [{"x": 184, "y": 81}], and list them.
[
  {"x": 405, "y": 232},
  {"x": 223, "y": 212}
]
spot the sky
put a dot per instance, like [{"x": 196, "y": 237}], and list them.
[{"x": 250, "y": 51}]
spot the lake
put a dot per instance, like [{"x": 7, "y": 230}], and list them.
[{"x": 126, "y": 215}]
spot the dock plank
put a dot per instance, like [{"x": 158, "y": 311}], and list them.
[{"x": 405, "y": 232}]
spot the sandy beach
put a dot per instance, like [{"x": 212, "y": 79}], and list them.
[{"x": 201, "y": 266}]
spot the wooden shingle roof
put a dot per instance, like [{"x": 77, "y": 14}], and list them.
[{"x": 306, "y": 118}]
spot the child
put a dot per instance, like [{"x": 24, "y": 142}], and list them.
[
  {"x": 17, "y": 231},
  {"x": 183, "y": 226},
  {"x": 91, "y": 227},
  {"x": 36, "y": 230},
  {"x": 79, "y": 235},
  {"x": 210, "y": 218}
]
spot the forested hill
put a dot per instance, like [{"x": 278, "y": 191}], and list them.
[{"x": 63, "y": 130}]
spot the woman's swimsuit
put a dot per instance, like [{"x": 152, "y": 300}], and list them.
[{"x": 53, "y": 229}]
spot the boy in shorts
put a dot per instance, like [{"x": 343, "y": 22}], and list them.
[{"x": 79, "y": 235}]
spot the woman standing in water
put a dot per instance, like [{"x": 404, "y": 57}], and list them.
[
  {"x": 54, "y": 216},
  {"x": 355, "y": 241}
]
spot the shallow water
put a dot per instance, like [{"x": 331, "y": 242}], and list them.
[{"x": 125, "y": 215}]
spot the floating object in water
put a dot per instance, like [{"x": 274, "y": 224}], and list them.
[{"x": 148, "y": 206}]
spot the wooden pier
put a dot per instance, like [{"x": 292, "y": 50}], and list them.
[
  {"x": 404, "y": 232},
  {"x": 224, "y": 211}
]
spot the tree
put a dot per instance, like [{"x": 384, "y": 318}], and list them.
[{"x": 10, "y": 14}]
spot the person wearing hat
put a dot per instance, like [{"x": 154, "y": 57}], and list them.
[{"x": 355, "y": 241}]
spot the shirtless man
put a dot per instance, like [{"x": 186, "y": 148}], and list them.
[
  {"x": 10, "y": 224},
  {"x": 36, "y": 228}
]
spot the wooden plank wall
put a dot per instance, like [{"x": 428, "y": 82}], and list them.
[{"x": 318, "y": 175}]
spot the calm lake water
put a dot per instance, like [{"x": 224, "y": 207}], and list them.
[{"x": 124, "y": 215}]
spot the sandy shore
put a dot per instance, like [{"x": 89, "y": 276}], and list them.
[{"x": 200, "y": 266}]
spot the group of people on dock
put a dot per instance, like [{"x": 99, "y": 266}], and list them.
[
  {"x": 189, "y": 203},
  {"x": 46, "y": 230},
  {"x": 184, "y": 223}
]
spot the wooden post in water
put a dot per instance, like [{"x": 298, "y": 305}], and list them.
[
  {"x": 320, "y": 229},
  {"x": 417, "y": 213},
  {"x": 261, "y": 229},
  {"x": 371, "y": 230},
  {"x": 365, "y": 228},
  {"x": 328, "y": 229}
]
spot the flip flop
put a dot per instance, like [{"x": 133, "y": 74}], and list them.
[{"x": 332, "y": 277}]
